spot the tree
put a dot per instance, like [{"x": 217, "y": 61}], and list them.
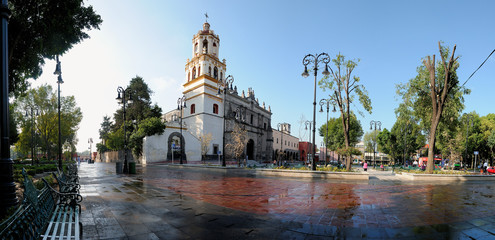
[
  {"x": 435, "y": 98},
  {"x": 344, "y": 87},
  {"x": 105, "y": 128},
  {"x": 46, "y": 127},
  {"x": 370, "y": 140},
  {"x": 238, "y": 144},
  {"x": 205, "y": 141},
  {"x": 40, "y": 29},
  {"x": 336, "y": 139},
  {"x": 147, "y": 127},
  {"x": 141, "y": 107}
]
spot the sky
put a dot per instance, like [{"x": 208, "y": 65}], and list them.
[{"x": 264, "y": 43}]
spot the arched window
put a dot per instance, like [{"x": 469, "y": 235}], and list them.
[
  {"x": 205, "y": 46},
  {"x": 196, "y": 48},
  {"x": 209, "y": 71},
  {"x": 214, "y": 44},
  {"x": 221, "y": 75},
  {"x": 215, "y": 108},
  {"x": 199, "y": 71},
  {"x": 188, "y": 76},
  {"x": 193, "y": 108},
  {"x": 215, "y": 73},
  {"x": 194, "y": 73}
]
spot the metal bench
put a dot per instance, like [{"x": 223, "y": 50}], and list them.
[{"x": 44, "y": 213}]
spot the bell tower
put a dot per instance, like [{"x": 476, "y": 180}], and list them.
[{"x": 204, "y": 112}]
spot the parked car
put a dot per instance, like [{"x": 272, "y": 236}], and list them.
[{"x": 490, "y": 170}]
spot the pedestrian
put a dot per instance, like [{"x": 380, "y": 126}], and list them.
[
  {"x": 485, "y": 167},
  {"x": 381, "y": 167},
  {"x": 365, "y": 166}
]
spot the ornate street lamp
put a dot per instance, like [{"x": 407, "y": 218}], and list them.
[
  {"x": 90, "y": 141},
  {"x": 313, "y": 151},
  {"x": 405, "y": 129},
  {"x": 7, "y": 186},
  {"x": 121, "y": 99},
  {"x": 181, "y": 104},
  {"x": 327, "y": 102},
  {"x": 224, "y": 85},
  {"x": 315, "y": 59},
  {"x": 58, "y": 71},
  {"x": 280, "y": 128},
  {"x": 379, "y": 124},
  {"x": 33, "y": 110},
  {"x": 469, "y": 121}
]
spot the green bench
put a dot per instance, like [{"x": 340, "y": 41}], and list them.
[{"x": 45, "y": 213}]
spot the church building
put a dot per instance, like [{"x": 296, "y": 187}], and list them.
[{"x": 202, "y": 126}]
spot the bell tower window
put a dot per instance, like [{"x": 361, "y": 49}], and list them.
[
  {"x": 199, "y": 71},
  {"x": 215, "y": 108},
  {"x": 196, "y": 48},
  {"x": 209, "y": 71},
  {"x": 215, "y": 73},
  {"x": 205, "y": 46},
  {"x": 194, "y": 73},
  {"x": 193, "y": 108},
  {"x": 221, "y": 75}
]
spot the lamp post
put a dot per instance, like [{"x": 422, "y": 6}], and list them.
[
  {"x": 307, "y": 153},
  {"x": 7, "y": 186},
  {"x": 224, "y": 85},
  {"x": 121, "y": 99},
  {"x": 405, "y": 130},
  {"x": 469, "y": 121},
  {"x": 32, "y": 111},
  {"x": 58, "y": 71},
  {"x": 280, "y": 128},
  {"x": 181, "y": 104},
  {"x": 327, "y": 102},
  {"x": 90, "y": 141},
  {"x": 374, "y": 124},
  {"x": 315, "y": 59}
]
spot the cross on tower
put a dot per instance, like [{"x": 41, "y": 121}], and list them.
[{"x": 206, "y": 15}]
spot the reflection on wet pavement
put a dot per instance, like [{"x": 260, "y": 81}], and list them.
[{"x": 191, "y": 202}]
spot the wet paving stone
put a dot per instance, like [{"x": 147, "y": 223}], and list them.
[{"x": 162, "y": 202}]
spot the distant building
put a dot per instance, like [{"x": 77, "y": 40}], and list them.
[{"x": 285, "y": 146}]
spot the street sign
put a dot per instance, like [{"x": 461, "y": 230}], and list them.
[
  {"x": 219, "y": 152},
  {"x": 476, "y": 152}
]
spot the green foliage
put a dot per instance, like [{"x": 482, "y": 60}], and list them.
[
  {"x": 40, "y": 29},
  {"x": 115, "y": 139},
  {"x": 105, "y": 128},
  {"x": 141, "y": 107},
  {"x": 46, "y": 122},
  {"x": 101, "y": 148},
  {"x": 418, "y": 106},
  {"x": 335, "y": 137},
  {"x": 147, "y": 127}
]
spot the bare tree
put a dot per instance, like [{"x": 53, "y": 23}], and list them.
[
  {"x": 439, "y": 90},
  {"x": 344, "y": 87},
  {"x": 237, "y": 146},
  {"x": 205, "y": 141}
]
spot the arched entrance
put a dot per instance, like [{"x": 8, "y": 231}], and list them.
[
  {"x": 175, "y": 139},
  {"x": 250, "y": 149}
]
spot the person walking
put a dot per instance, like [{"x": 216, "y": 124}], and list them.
[
  {"x": 485, "y": 167},
  {"x": 365, "y": 166}
]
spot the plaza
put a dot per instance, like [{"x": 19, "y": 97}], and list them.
[{"x": 173, "y": 202}]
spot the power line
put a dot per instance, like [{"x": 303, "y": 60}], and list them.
[{"x": 478, "y": 68}]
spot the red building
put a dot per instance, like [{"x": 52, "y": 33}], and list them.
[{"x": 304, "y": 150}]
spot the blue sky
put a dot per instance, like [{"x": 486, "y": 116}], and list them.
[{"x": 264, "y": 43}]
